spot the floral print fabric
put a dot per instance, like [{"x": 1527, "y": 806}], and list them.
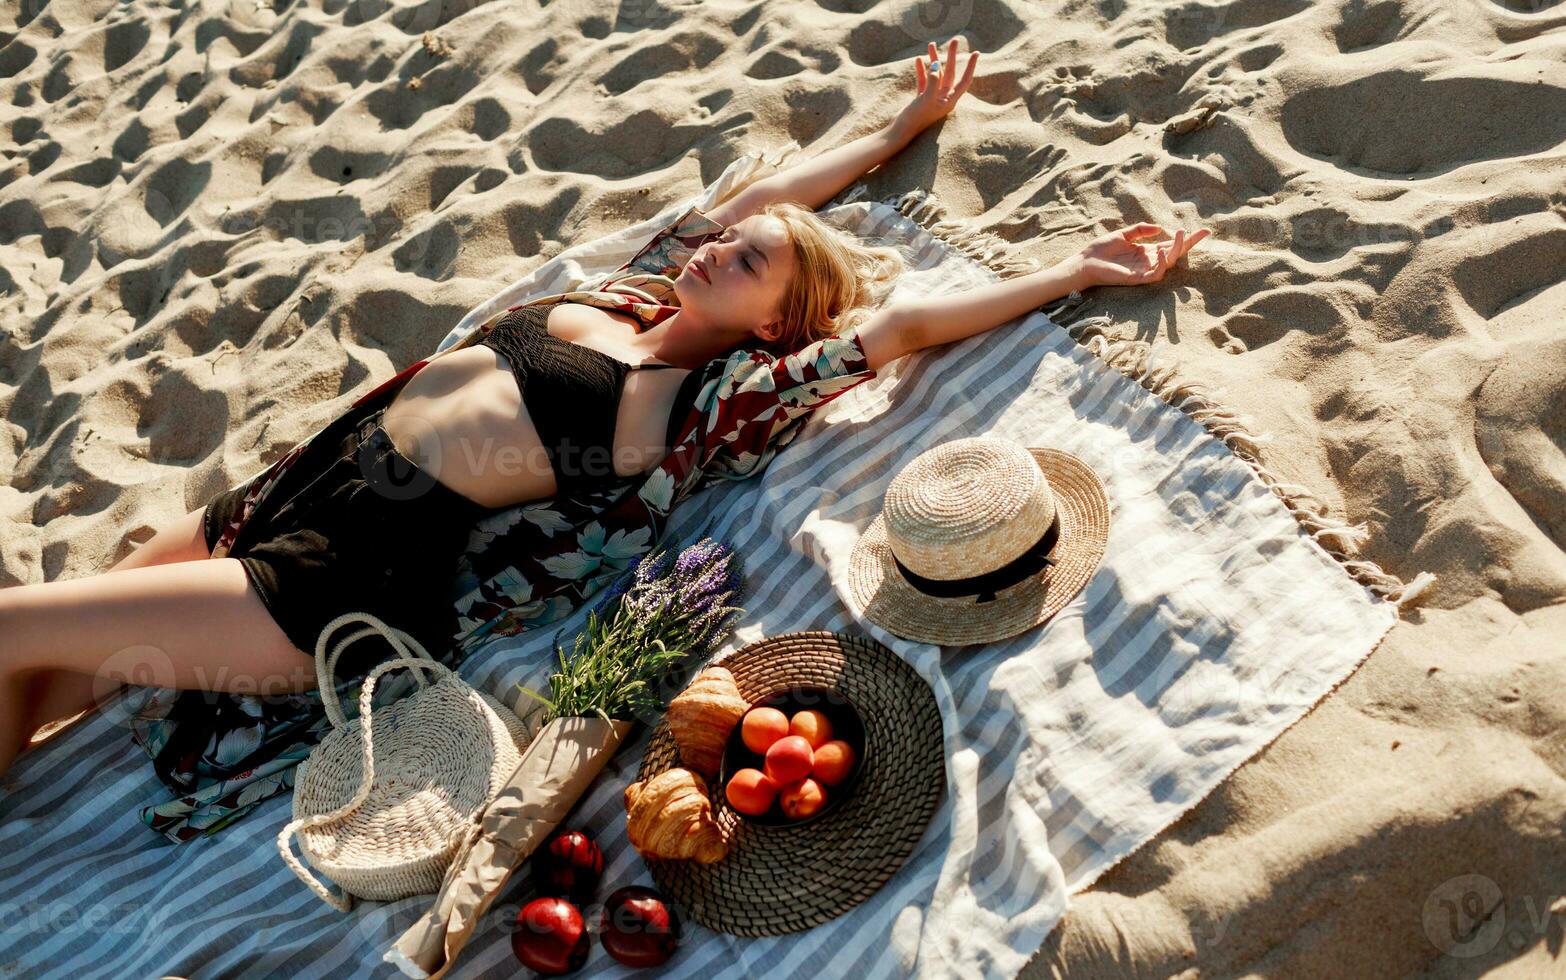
[{"x": 524, "y": 566}]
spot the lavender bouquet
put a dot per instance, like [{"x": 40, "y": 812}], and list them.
[
  {"x": 657, "y": 618},
  {"x": 662, "y": 613}
]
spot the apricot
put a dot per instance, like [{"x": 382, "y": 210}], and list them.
[
  {"x": 833, "y": 762},
  {"x": 811, "y": 725},
  {"x": 789, "y": 759},
  {"x": 761, "y": 727},
  {"x": 750, "y": 792},
  {"x": 801, "y": 799}
]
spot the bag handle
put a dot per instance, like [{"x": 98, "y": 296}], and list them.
[
  {"x": 326, "y": 664},
  {"x": 344, "y": 902}
]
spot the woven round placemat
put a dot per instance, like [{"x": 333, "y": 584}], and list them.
[{"x": 778, "y": 880}]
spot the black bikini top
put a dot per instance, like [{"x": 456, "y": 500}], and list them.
[{"x": 572, "y": 393}]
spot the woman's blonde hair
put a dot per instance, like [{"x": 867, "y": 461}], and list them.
[{"x": 841, "y": 281}]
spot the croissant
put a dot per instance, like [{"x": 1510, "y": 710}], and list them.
[
  {"x": 670, "y": 816},
  {"x": 702, "y": 716}
]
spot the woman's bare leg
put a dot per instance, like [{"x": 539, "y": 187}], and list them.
[
  {"x": 189, "y": 625},
  {"x": 55, "y": 699}
]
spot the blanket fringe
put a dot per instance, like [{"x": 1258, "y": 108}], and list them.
[
  {"x": 981, "y": 246},
  {"x": 1133, "y": 358}
]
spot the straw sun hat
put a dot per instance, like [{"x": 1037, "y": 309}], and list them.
[{"x": 980, "y": 539}]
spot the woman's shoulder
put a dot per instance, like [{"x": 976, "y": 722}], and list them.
[
  {"x": 833, "y": 354},
  {"x": 760, "y": 385}
]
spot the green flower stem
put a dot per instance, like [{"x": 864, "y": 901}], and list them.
[{"x": 617, "y": 664}]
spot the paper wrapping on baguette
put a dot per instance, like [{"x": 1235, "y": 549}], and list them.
[
  {"x": 556, "y": 770},
  {"x": 670, "y": 816}
]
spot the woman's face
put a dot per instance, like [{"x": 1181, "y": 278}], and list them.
[{"x": 739, "y": 278}]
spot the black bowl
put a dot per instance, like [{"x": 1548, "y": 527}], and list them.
[{"x": 847, "y": 724}]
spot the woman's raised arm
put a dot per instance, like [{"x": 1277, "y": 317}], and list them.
[
  {"x": 818, "y": 179},
  {"x": 1119, "y": 258}
]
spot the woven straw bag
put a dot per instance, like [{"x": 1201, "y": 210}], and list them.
[{"x": 382, "y": 804}]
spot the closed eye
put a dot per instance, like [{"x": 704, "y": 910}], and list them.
[{"x": 745, "y": 258}]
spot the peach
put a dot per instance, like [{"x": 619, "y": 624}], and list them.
[
  {"x": 789, "y": 759},
  {"x": 811, "y": 725},
  {"x": 750, "y": 792},
  {"x": 761, "y": 727},
  {"x": 801, "y": 799},
  {"x": 833, "y": 762}
]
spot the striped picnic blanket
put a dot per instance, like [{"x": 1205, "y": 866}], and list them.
[{"x": 1217, "y": 619}]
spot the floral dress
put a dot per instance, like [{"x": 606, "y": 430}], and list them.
[{"x": 524, "y": 566}]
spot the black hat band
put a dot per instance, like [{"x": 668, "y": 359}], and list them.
[{"x": 1024, "y": 566}]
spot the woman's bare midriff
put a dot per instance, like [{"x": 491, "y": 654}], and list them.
[{"x": 461, "y": 418}]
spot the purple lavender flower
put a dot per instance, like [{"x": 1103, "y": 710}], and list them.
[
  {"x": 650, "y": 567},
  {"x": 696, "y": 558},
  {"x": 645, "y": 601},
  {"x": 724, "y": 556},
  {"x": 707, "y": 586},
  {"x": 706, "y": 625},
  {"x": 654, "y": 617},
  {"x": 710, "y": 620}
]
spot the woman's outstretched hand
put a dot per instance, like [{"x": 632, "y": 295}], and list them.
[
  {"x": 938, "y": 91},
  {"x": 1121, "y": 258}
]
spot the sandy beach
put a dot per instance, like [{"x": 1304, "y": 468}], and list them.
[{"x": 220, "y": 222}]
